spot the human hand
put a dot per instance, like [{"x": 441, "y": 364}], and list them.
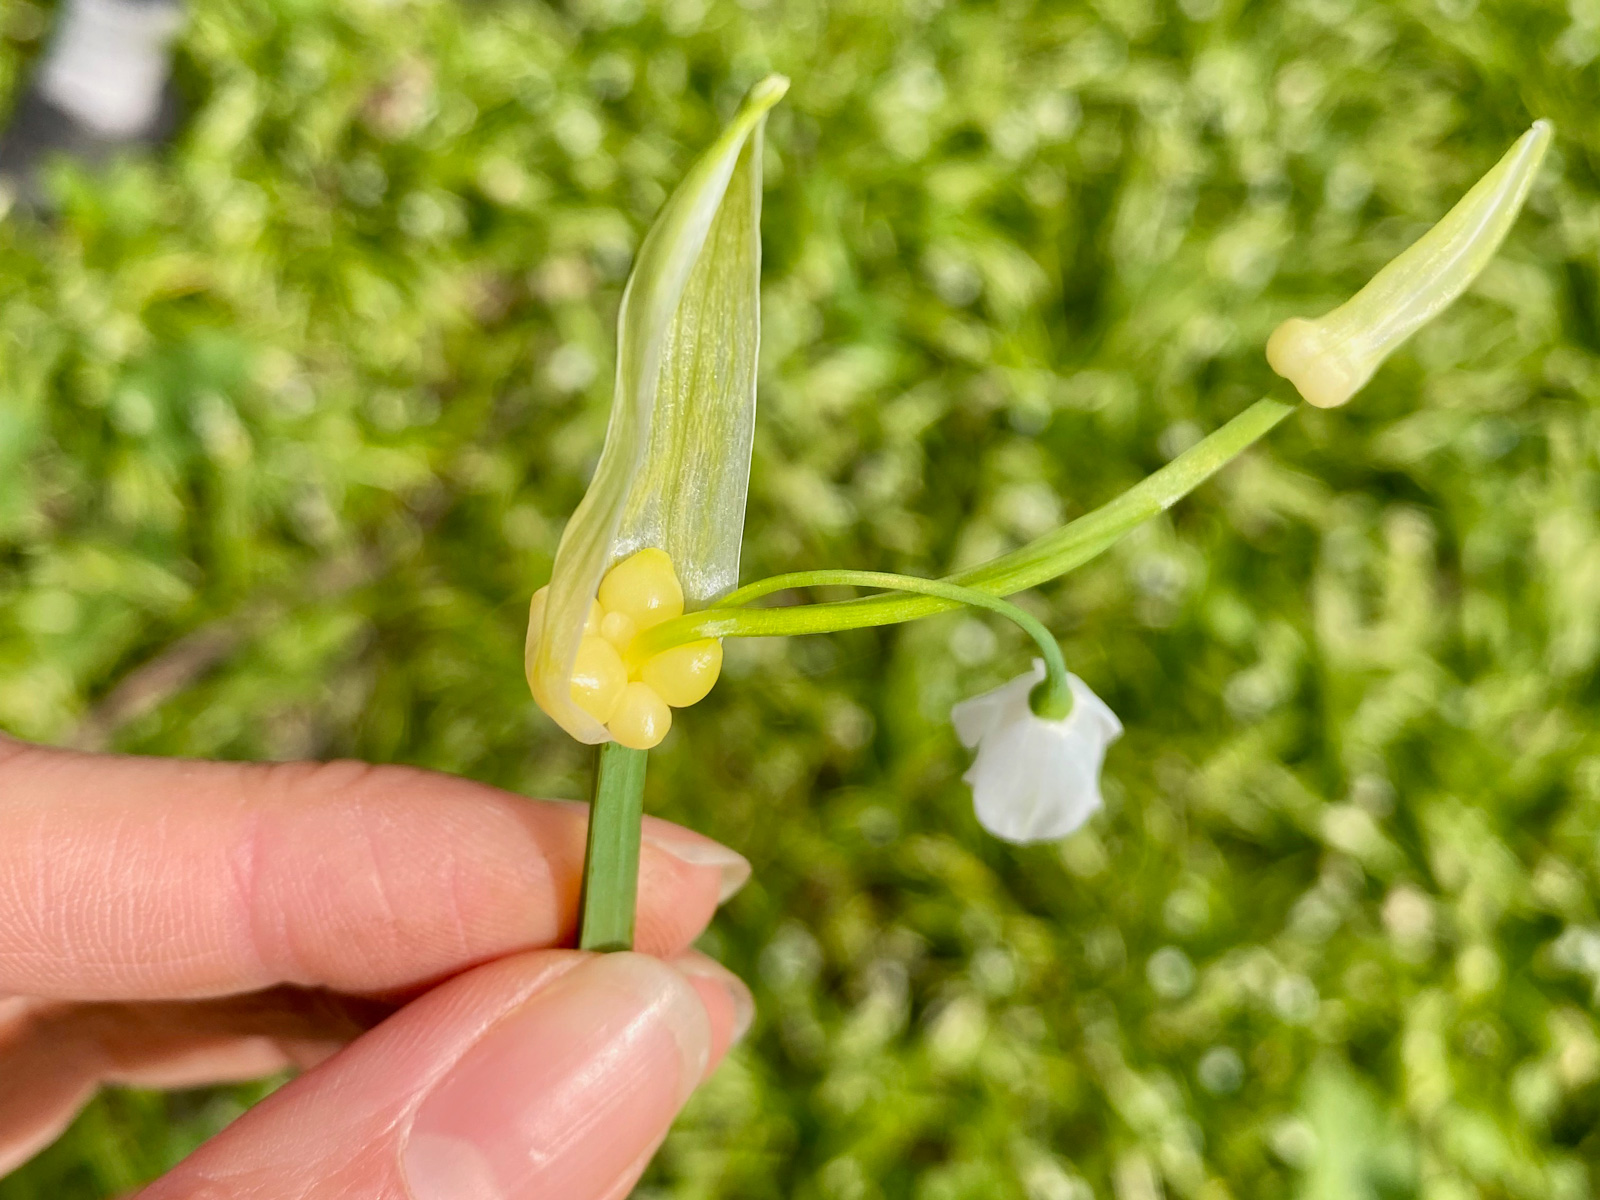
[{"x": 166, "y": 923}]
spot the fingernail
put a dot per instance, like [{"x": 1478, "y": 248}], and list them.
[
  {"x": 584, "y": 1076},
  {"x": 703, "y": 852},
  {"x": 703, "y": 971}
]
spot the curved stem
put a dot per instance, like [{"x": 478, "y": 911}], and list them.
[
  {"x": 1054, "y": 699},
  {"x": 1046, "y": 558}
]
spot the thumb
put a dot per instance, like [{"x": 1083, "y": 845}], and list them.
[{"x": 554, "y": 1073}]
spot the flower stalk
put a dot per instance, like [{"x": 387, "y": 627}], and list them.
[
  {"x": 1041, "y": 560},
  {"x": 611, "y": 859},
  {"x": 1053, "y": 697}
]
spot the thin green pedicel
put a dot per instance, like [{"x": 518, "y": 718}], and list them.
[{"x": 1047, "y": 558}]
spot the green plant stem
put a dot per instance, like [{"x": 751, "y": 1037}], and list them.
[
  {"x": 611, "y": 861},
  {"x": 1054, "y": 698},
  {"x": 1046, "y": 558}
]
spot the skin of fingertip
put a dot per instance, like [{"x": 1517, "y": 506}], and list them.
[
  {"x": 484, "y": 873},
  {"x": 346, "y": 1119}
]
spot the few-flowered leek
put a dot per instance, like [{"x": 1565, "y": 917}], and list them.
[{"x": 612, "y": 649}]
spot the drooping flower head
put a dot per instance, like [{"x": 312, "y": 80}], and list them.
[{"x": 1035, "y": 778}]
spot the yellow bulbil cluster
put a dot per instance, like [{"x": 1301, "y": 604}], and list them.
[{"x": 632, "y": 699}]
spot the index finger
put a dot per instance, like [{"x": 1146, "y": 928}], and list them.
[{"x": 142, "y": 878}]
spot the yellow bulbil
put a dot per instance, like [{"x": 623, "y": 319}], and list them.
[
  {"x": 641, "y": 719},
  {"x": 634, "y": 700},
  {"x": 644, "y": 587},
  {"x": 598, "y": 677},
  {"x": 618, "y": 629},
  {"x": 683, "y": 675}
]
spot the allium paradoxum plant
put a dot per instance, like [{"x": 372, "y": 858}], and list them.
[{"x": 644, "y": 590}]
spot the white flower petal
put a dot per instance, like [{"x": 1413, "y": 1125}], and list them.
[
  {"x": 976, "y": 717},
  {"x": 1094, "y": 709},
  {"x": 1034, "y": 779}
]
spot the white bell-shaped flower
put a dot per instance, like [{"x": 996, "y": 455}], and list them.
[{"x": 1034, "y": 779}]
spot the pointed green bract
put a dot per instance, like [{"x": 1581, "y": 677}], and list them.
[
  {"x": 1330, "y": 359},
  {"x": 676, "y": 462}
]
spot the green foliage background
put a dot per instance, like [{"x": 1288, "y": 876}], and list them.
[{"x": 296, "y": 413}]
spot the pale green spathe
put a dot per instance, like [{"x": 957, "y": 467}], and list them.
[
  {"x": 676, "y": 462},
  {"x": 1331, "y": 358}
]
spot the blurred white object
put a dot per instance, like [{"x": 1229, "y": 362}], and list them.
[
  {"x": 109, "y": 62},
  {"x": 1034, "y": 779}
]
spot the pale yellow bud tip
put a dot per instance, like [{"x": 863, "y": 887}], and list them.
[
  {"x": 1303, "y": 353},
  {"x": 770, "y": 90},
  {"x": 643, "y": 587},
  {"x": 641, "y": 718},
  {"x": 1331, "y": 358}
]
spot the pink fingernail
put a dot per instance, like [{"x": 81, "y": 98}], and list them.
[
  {"x": 585, "y": 1076},
  {"x": 703, "y": 852},
  {"x": 741, "y": 1004}
]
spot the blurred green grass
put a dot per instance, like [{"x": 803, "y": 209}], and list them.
[{"x": 296, "y": 414}]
